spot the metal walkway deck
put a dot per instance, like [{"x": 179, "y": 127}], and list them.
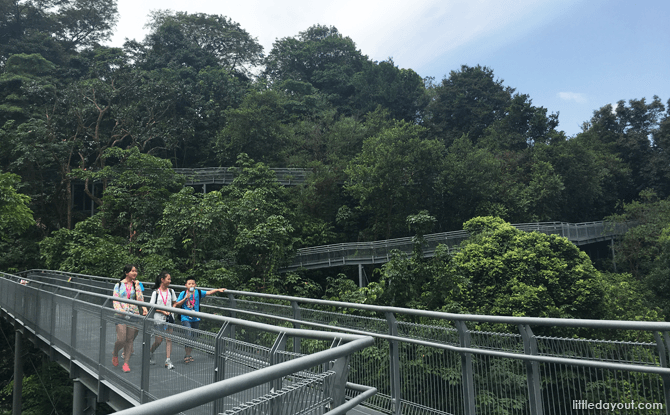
[
  {"x": 420, "y": 362},
  {"x": 77, "y": 328}
]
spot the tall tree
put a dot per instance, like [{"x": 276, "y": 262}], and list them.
[
  {"x": 394, "y": 176},
  {"x": 627, "y": 130},
  {"x": 197, "y": 40},
  {"x": 320, "y": 56},
  {"x": 400, "y": 91},
  {"x": 467, "y": 102}
]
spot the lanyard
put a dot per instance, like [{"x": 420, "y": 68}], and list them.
[
  {"x": 164, "y": 298},
  {"x": 190, "y": 303},
  {"x": 128, "y": 289}
]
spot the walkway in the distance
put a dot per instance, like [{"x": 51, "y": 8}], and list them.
[{"x": 379, "y": 252}]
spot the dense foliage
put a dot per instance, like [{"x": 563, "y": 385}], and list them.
[{"x": 89, "y": 137}]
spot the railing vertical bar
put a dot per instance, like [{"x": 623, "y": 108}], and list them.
[{"x": 468, "y": 383}]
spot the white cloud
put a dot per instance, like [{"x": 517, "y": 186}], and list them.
[
  {"x": 413, "y": 33},
  {"x": 573, "y": 96}
]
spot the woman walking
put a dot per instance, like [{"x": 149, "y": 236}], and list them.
[
  {"x": 128, "y": 287},
  {"x": 165, "y": 296}
]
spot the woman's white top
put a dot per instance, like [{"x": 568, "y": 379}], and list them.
[{"x": 159, "y": 297}]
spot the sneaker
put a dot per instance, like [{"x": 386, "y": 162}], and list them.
[
  {"x": 168, "y": 364},
  {"x": 152, "y": 360},
  {"x": 115, "y": 361},
  {"x": 126, "y": 368}
]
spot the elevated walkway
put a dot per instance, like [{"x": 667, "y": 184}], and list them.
[
  {"x": 379, "y": 252},
  {"x": 419, "y": 362},
  {"x": 226, "y": 175},
  {"x": 77, "y": 328}
]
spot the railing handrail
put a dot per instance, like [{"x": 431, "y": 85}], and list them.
[
  {"x": 532, "y": 321},
  {"x": 454, "y": 341},
  {"x": 196, "y": 397},
  {"x": 313, "y": 334}
]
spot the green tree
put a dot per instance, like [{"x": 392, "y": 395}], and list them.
[
  {"x": 626, "y": 129},
  {"x": 511, "y": 272},
  {"x": 256, "y": 128},
  {"x": 391, "y": 177},
  {"x": 320, "y": 56},
  {"x": 467, "y": 102},
  {"x": 15, "y": 216},
  {"x": 54, "y": 29},
  {"x": 400, "y": 91},
  {"x": 197, "y": 40}
]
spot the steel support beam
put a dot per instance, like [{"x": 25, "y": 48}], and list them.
[{"x": 18, "y": 372}]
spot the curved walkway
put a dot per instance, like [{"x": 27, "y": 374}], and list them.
[
  {"x": 419, "y": 362},
  {"x": 379, "y": 252}
]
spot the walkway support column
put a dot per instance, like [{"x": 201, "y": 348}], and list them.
[
  {"x": 78, "y": 398},
  {"x": 18, "y": 372}
]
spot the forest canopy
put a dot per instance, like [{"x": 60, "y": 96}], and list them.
[{"x": 90, "y": 136}]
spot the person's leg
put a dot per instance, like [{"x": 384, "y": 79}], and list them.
[
  {"x": 195, "y": 325},
  {"x": 157, "y": 342},
  {"x": 168, "y": 345},
  {"x": 189, "y": 333},
  {"x": 120, "y": 341},
  {"x": 131, "y": 332}
]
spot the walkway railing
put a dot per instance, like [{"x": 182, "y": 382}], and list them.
[
  {"x": 231, "y": 372},
  {"x": 378, "y": 252},
  {"x": 226, "y": 175},
  {"x": 425, "y": 362}
]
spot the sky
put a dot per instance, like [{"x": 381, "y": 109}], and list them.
[{"x": 569, "y": 56}]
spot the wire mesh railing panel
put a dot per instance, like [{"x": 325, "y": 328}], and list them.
[
  {"x": 242, "y": 357},
  {"x": 308, "y": 396},
  {"x": 430, "y": 378},
  {"x": 564, "y": 386},
  {"x": 117, "y": 326},
  {"x": 507, "y": 342},
  {"x": 63, "y": 320},
  {"x": 87, "y": 334},
  {"x": 371, "y": 367},
  {"x": 274, "y": 309},
  {"x": 44, "y": 316},
  {"x": 441, "y": 334},
  {"x": 351, "y": 321},
  {"x": 500, "y": 386}
]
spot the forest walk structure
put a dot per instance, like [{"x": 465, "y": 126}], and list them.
[
  {"x": 269, "y": 354},
  {"x": 379, "y": 252}
]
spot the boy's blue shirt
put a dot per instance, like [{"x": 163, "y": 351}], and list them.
[{"x": 198, "y": 294}]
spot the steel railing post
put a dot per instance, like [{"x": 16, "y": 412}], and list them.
[
  {"x": 467, "y": 374},
  {"x": 233, "y": 314},
  {"x": 146, "y": 352},
  {"x": 73, "y": 338},
  {"x": 277, "y": 384},
  {"x": 662, "y": 349},
  {"x": 102, "y": 389},
  {"x": 18, "y": 370},
  {"x": 532, "y": 370},
  {"x": 339, "y": 384},
  {"x": 220, "y": 362},
  {"x": 394, "y": 363},
  {"x": 52, "y": 325},
  {"x": 296, "y": 316}
]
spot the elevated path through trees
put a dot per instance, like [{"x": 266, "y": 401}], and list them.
[
  {"x": 379, "y": 252},
  {"x": 418, "y": 361},
  {"x": 226, "y": 175},
  {"x": 71, "y": 318}
]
